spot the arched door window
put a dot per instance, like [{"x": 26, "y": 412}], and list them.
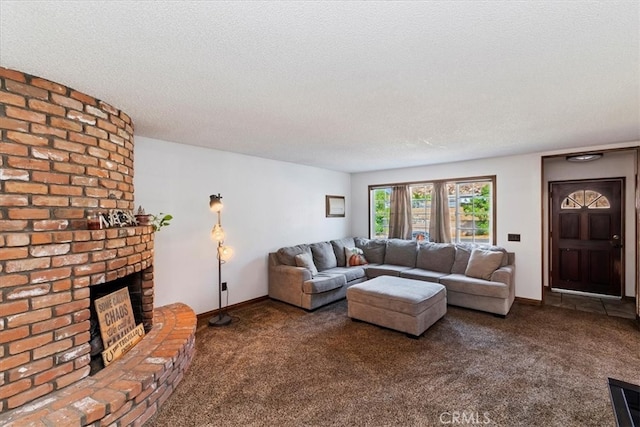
[{"x": 585, "y": 198}]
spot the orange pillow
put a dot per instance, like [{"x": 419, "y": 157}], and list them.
[{"x": 354, "y": 257}]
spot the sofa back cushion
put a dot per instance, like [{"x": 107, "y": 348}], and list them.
[
  {"x": 323, "y": 256},
  {"x": 287, "y": 254},
  {"x": 463, "y": 252},
  {"x": 401, "y": 252},
  {"x": 436, "y": 256},
  {"x": 373, "y": 249},
  {"x": 338, "y": 249}
]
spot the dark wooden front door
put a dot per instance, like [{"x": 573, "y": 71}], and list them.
[{"x": 587, "y": 236}]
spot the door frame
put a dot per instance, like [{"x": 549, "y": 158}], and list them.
[
  {"x": 623, "y": 191},
  {"x": 634, "y": 150},
  {"x": 637, "y": 200}
]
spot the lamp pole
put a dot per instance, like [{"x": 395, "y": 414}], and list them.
[{"x": 222, "y": 318}]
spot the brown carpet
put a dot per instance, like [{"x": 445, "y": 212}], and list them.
[{"x": 277, "y": 365}]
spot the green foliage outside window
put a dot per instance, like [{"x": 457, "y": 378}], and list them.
[
  {"x": 381, "y": 207},
  {"x": 479, "y": 207}
]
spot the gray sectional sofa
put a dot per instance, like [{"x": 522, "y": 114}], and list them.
[{"x": 313, "y": 275}]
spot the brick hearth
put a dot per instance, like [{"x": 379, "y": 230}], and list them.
[
  {"x": 64, "y": 156},
  {"x": 131, "y": 391}
]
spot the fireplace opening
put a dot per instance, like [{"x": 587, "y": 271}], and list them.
[{"x": 133, "y": 283}]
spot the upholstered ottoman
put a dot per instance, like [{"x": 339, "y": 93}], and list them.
[{"x": 405, "y": 305}]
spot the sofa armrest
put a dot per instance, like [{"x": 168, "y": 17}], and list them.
[
  {"x": 507, "y": 275},
  {"x": 290, "y": 274},
  {"x": 285, "y": 283},
  {"x": 504, "y": 275}
]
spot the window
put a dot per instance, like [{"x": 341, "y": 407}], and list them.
[
  {"x": 381, "y": 198},
  {"x": 471, "y": 210},
  {"x": 585, "y": 198},
  {"x": 420, "y": 210}
]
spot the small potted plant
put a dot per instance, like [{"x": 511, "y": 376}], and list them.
[
  {"x": 160, "y": 220},
  {"x": 142, "y": 218}
]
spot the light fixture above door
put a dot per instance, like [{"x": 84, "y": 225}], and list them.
[{"x": 584, "y": 157}]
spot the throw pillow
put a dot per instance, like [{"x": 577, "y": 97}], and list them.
[
  {"x": 354, "y": 256},
  {"x": 505, "y": 257},
  {"x": 306, "y": 260},
  {"x": 483, "y": 263}
]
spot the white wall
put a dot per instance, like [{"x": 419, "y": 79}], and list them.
[
  {"x": 520, "y": 206},
  {"x": 611, "y": 165},
  {"x": 518, "y": 196},
  {"x": 270, "y": 204},
  {"x": 267, "y": 205}
]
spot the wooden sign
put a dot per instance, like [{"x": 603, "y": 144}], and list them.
[
  {"x": 123, "y": 345},
  {"x": 115, "y": 316}
]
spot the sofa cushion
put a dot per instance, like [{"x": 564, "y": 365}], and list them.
[
  {"x": 461, "y": 259},
  {"x": 350, "y": 273},
  {"x": 323, "y": 256},
  {"x": 384, "y": 270},
  {"x": 287, "y": 254},
  {"x": 483, "y": 263},
  {"x": 354, "y": 257},
  {"x": 373, "y": 249},
  {"x": 323, "y": 282},
  {"x": 420, "y": 274},
  {"x": 401, "y": 252},
  {"x": 338, "y": 249},
  {"x": 470, "y": 285},
  {"x": 436, "y": 256},
  {"x": 306, "y": 261}
]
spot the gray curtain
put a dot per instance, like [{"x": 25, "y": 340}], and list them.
[
  {"x": 439, "y": 225},
  {"x": 400, "y": 213}
]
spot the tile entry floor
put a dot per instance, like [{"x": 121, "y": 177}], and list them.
[{"x": 611, "y": 307}]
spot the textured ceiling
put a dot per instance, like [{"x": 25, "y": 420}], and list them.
[{"x": 350, "y": 86}]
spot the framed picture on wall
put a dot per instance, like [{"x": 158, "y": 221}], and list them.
[{"x": 335, "y": 206}]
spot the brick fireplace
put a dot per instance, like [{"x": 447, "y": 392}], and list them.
[{"x": 64, "y": 156}]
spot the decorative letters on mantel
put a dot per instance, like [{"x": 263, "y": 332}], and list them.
[{"x": 117, "y": 218}]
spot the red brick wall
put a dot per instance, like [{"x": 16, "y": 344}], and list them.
[{"x": 63, "y": 154}]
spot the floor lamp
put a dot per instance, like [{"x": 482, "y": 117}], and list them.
[{"x": 223, "y": 254}]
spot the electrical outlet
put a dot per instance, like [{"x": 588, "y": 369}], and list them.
[
  {"x": 224, "y": 286},
  {"x": 513, "y": 237}
]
